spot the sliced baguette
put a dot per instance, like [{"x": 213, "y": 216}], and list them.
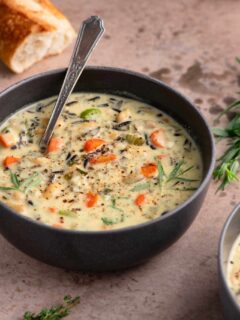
[{"x": 31, "y": 30}]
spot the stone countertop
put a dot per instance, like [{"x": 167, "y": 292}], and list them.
[{"x": 191, "y": 45}]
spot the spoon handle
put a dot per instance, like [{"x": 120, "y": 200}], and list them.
[{"x": 88, "y": 37}]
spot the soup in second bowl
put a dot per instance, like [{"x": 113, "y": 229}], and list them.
[
  {"x": 233, "y": 269},
  {"x": 112, "y": 162}
]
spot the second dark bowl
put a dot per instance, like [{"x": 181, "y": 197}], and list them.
[
  {"x": 229, "y": 234},
  {"x": 117, "y": 249}
]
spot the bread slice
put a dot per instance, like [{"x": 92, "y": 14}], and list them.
[{"x": 31, "y": 30}]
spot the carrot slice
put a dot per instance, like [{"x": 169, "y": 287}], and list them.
[
  {"x": 10, "y": 160},
  {"x": 92, "y": 199},
  {"x": 93, "y": 144},
  {"x": 103, "y": 158},
  {"x": 149, "y": 169},
  {"x": 7, "y": 140},
  {"x": 52, "y": 209},
  {"x": 55, "y": 144},
  {"x": 158, "y": 139},
  {"x": 139, "y": 201}
]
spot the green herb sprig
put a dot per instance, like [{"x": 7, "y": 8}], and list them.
[
  {"x": 228, "y": 164},
  {"x": 24, "y": 185},
  {"x": 56, "y": 312},
  {"x": 177, "y": 173}
]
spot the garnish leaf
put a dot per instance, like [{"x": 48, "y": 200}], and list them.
[
  {"x": 30, "y": 182},
  {"x": 14, "y": 179},
  {"x": 110, "y": 222},
  {"x": 7, "y": 188},
  {"x": 140, "y": 187},
  {"x": 220, "y": 133},
  {"x": 161, "y": 173},
  {"x": 227, "y": 173},
  {"x": 56, "y": 312},
  {"x": 174, "y": 173},
  {"x": 25, "y": 185},
  {"x": 107, "y": 221},
  {"x": 181, "y": 179},
  {"x": 66, "y": 213}
]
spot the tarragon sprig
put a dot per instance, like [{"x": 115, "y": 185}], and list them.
[
  {"x": 228, "y": 164},
  {"x": 23, "y": 185},
  {"x": 177, "y": 173}
]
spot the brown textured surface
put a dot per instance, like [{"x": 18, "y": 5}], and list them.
[{"x": 192, "y": 46}]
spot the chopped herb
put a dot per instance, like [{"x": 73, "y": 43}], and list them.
[
  {"x": 54, "y": 313},
  {"x": 135, "y": 140},
  {"x": 109, "y": 221},
  {"x": 66, "y": 213},
  {"x": 140, "y": 187},
  {"x": 68, "y": 176},
  {"x": 90, "y": 114}
]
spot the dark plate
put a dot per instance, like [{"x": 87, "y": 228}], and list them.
[{"x": 117, "y": 249}]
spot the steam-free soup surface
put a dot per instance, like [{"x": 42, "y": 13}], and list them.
[
  {"x": 112, "y": 162},
  {"x": 233, "y": 269}
]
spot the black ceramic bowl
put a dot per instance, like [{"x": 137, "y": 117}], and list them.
[
  {"x": 229, "y": 234},
  {"x": 117, "y": 249}
]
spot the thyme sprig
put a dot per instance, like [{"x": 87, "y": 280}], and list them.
[{"x": 56, "y": 312}]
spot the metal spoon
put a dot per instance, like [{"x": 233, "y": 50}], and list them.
[{"x": 88, "y": 37}]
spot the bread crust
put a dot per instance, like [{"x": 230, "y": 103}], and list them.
[{"x": 19, "y": 19}]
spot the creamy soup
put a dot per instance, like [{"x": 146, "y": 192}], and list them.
[
  {"x": 233, "y": 269},
  {"x": 112, "y": 162}
]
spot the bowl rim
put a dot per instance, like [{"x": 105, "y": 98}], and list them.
[
  {"x": 221, "y": 257},
  {"x": 171, "y": 213}
]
